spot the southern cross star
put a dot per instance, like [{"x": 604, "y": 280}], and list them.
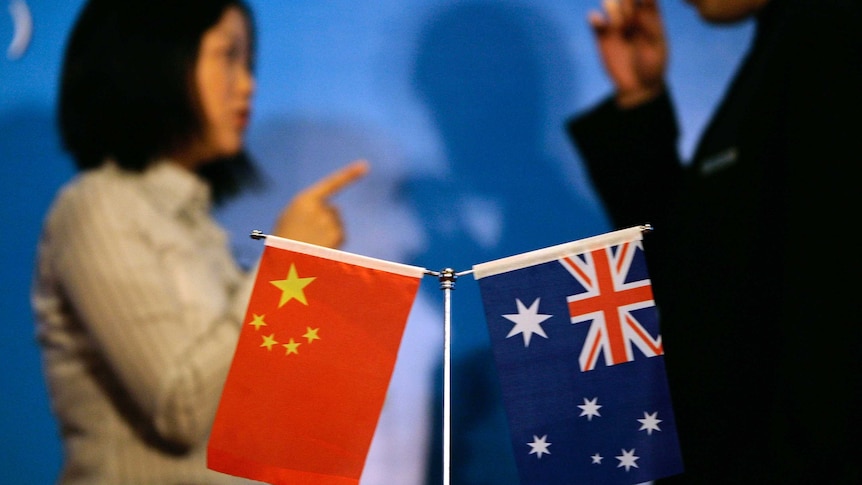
[
  {"x": 590, "y": 408},
  {"x": 539, "y": 446},
  {"x": 650, "y": 422},
  {"x": 628, "y": 459}
]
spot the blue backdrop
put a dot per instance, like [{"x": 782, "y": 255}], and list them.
[{"x": 459, "y": 107}]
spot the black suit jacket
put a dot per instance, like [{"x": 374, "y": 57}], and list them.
[{"x": 753, "y": 258}]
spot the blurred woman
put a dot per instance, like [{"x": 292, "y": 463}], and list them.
[{"x": 139, "y": 301}]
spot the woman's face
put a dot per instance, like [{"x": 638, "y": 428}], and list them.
[
  {"x": 722, "y": 11},
  {"x": 225, "y": 86}
]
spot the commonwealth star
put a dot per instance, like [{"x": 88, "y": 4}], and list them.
[{"x": 527, "y": 321}]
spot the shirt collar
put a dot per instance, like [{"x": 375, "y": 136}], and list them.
[{"x": 176, "y": 189}]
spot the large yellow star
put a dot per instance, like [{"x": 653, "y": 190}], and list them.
[
  {"x": 291, "y": 287},
  {"x": 311, "y": 334},
  {"x": 291, "y": 347},
  {"x": 269, "y": 341},
  {"x": 258, "y": 321}
]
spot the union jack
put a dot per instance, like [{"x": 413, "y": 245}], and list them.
[{"x": 608, "y": 303}]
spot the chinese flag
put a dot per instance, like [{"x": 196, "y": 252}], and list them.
[{"x": 312, "y": 365}]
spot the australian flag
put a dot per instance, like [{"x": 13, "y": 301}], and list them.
[{"x": 578, "y": 348}]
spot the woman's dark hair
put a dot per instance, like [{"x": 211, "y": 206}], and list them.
[{"x": 128, "y": 90}]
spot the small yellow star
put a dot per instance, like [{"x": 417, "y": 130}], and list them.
[
  {"x": 291, "y": 348},
  {"x": 269, "y": 341},
  {"x": 311, "y": 334},
  {"x": 291, "y": 287},
  {"x": 258, "y": 322}
]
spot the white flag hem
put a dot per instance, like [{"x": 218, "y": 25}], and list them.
[
  {"x": 345, "y": 257},
  {"x": 554, "y": 253}
]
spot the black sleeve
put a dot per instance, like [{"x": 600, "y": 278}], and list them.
[{"x": 632, "y": 158}]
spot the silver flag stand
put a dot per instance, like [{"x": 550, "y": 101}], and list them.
[{"x": 447, "y": 279}]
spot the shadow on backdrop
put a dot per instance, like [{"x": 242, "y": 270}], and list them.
[{"x": 484, "y": 72}]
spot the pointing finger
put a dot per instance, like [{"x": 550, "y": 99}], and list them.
[{"x": 334, "y": 182}]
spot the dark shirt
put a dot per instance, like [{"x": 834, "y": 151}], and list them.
[{"x": 752, "y": 259}]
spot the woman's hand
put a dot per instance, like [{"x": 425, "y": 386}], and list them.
[
  {"x": 310, "y": 217},
  {"x": 632, "y": 45}
]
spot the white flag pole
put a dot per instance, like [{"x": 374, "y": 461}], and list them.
[
  {"x": 447, "y": 284},
  {"x": 447, "y": 279}
]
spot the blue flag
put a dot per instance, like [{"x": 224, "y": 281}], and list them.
[{"x": 576, "y": 339}]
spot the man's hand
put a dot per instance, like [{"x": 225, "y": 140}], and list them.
[{"x": 631, "y": 42}]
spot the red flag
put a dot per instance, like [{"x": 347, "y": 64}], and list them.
[{"x": 312, "y": 365}]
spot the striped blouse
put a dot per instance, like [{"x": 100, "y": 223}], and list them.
[{"x": 139, "y": 304}]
